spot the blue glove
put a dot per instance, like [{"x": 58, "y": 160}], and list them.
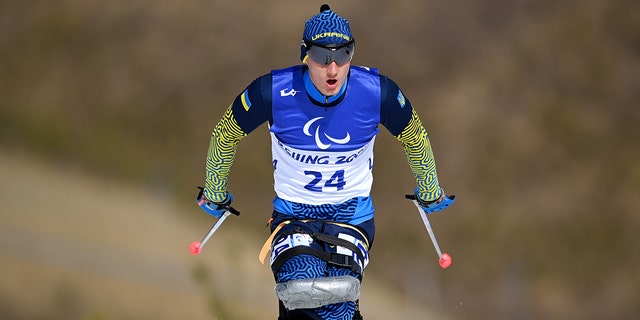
[
  {"x": 436, "y": 205},
  {"x": 213, "y": 208}
]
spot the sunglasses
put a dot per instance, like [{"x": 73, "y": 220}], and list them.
[{"x": 324, "y": 55}]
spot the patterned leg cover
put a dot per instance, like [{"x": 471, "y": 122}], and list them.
[{"x": 305, "y": 266}]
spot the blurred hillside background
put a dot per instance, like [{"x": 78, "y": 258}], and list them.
[{"x": 106, "y": 109}]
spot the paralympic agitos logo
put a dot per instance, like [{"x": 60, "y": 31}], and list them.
[{"x": 318, "y": 138}]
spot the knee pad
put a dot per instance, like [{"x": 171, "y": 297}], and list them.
[{"x": 318, "y": 292}]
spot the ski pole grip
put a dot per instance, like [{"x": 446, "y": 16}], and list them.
[{"x": 233, "y": 210}]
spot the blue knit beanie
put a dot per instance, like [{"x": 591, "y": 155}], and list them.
[{"x": 325, "y": 29}]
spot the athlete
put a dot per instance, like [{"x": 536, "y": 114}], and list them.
[{"x": 323, "y": 117}]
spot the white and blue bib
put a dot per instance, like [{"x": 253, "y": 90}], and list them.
[{"x": 323, "y": 155}]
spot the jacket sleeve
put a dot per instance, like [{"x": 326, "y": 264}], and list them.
[
  {"x": 417, "y": 148},
  {"x": 222, "y": 151},
  {"x": 249, "y": 110},
  {"x": 402, "y": 121}
]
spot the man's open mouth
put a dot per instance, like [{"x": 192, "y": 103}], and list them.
[{"x": 332, "y": 82}]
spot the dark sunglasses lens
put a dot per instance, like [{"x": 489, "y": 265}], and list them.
[{"x": 324, "y": 55}]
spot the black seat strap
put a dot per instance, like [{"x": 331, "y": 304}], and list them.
[{"x": 335, "y": 259}]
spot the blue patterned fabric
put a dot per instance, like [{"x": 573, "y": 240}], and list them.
[
  {"x": 303, "y": 266},
  {"x": 342, "y": 212},
  {"x": 327, "y": 28}
]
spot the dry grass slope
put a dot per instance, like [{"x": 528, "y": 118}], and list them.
[
  {"x": 532, "y": 107},
  {"x": 87, "y": 248}
]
